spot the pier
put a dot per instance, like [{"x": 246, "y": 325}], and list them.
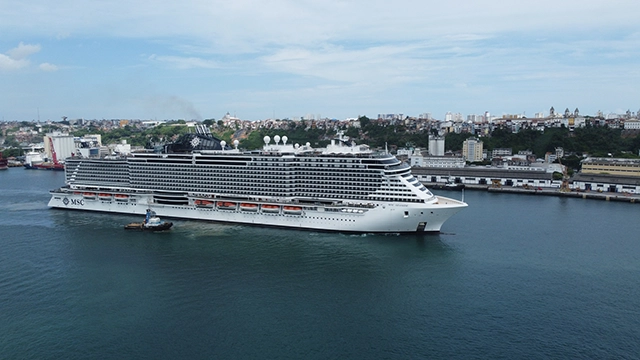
[{"x": 594, "y": 195}]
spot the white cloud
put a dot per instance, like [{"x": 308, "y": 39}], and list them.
[
  {"x": 48, "y": 67},
  {"x": 7, "y": 63},
  {"x": 185, "y": 62},
  {"x": 17, "y": 58},
  {"x": 23, "y": 51}
]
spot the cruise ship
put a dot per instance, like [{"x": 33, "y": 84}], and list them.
[{"x": 344, "y": 187}]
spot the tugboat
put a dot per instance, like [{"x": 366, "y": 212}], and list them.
[{"x": 151, "y": 223}]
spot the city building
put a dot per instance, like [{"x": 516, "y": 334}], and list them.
[
  {"x": 417, "y": 160},
  {"x": 472, "y": 150},
  {"x": 632, "y": 125},
  {"x": 436, "y": 145},
  {"x": 611, "y": 166},
  {"x": 498, "y": 152}
]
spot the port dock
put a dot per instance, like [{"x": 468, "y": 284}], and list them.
[{"x": 594, "y": 195}]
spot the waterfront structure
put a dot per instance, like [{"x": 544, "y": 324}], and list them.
[
  {"x": 611, "y": 166},
  {"x": 62, "y": 144},
  {"x": 532, "y": 178},
  {"x": 344, "y": 187},
  {"x": 606, "y": 183},
  {"x": 487, "y": 176}
]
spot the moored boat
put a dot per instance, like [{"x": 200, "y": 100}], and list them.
[{"x": 3, "y": 163}]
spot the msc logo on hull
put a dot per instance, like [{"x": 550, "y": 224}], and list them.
[{"x": 73, "y": 202}]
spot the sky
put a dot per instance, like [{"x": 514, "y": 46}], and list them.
[{"x": 199, "y": 59}]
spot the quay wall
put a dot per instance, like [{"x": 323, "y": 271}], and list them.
[{"x": 593, "y": 195}]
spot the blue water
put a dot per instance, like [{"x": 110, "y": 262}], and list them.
[{"x": 510, "y": 277}]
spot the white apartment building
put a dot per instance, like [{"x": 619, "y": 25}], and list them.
[{"x": 632, "y": 125}]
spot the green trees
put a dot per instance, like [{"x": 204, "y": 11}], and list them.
[{"x": 595, "y": 141}]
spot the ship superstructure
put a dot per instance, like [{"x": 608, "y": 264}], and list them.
[{"x": 343, "y": 187}]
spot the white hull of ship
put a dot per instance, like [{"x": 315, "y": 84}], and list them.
[{"x": 379, "y": 218}]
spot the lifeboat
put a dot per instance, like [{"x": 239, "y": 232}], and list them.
[
  {"x": 89, "y": 195},
  {"x": 104, "y": 196},
  {"x": 121, "y": 197},
  {"x": 292, "y": 210},
  {"x": 249, "y": 207},
  {"x": 203, "y": 203},
  {"x": 270, "y": 208},
  {"x": 226, "y": 205}
]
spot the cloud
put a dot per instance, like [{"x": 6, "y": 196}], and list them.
[
  {"x": 7, "y": 63},
  {"x": 48, "y": 67},
  {"x": 186, "y": 62},
  {"x": 16, "y": 58},
  {"x": 23, "y": 51}
]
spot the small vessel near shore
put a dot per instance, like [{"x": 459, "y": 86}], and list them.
[
  {"x": 448, "y": 186},
  {"x": 151, "y": 223},
  {"x": 35, "y": 161},
  {"x": 3, "y": 163}
]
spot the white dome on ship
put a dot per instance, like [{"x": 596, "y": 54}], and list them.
[
  {"x": 284, "y": 140},
  {"x": 223, "y": 144},
  {"x": 276, "y": 139},
  {"x": 266, "y": 140},
  {"x": 236, "y": 143}
]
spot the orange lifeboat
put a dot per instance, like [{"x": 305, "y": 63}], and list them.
[
  {"x": 249, "y": 207},
  {"x": 121, "y": 197},
  {"x": 203, "y": 203},
  {"x": 104, "y": 196},
  {"x": 89, "y": 195},
  {"x": 270, "y": 208},
  {"x": 226, "y": 205},
  {"x": 292, "y": 210}
]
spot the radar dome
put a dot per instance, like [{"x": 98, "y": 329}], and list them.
[
  {"x": 276, "y": 139},
  {"x": 266, "y": 140},
  {"x": 284, "y": 140},
  {"x": 223, "y": 144}
]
